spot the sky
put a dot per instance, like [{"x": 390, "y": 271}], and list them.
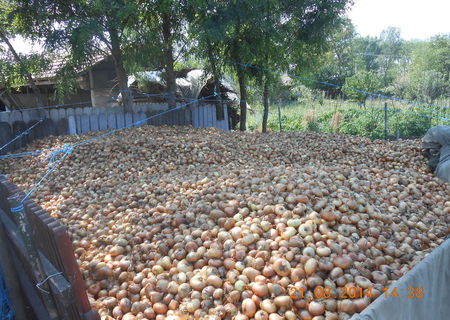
[{"x": 417, "y": 19}]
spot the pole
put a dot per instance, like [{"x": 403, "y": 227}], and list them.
[
  {"x": 279, "y": 114},
  {"x": 398, "y": 120},
  {"x": 385, "y": 121},
  {"x": 20, "y": 218}
]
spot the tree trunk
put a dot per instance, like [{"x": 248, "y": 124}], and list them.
[
  {"x": 122, "y": 76},
  {"x": 243, "y": 102},
  {"x": 7, "y": 97},
  {"x": 266, "y": 105},
  {"x": 168, "y": 59},
  {"x": 220, "y": 115},
  {"x": 31, "y": 83}
]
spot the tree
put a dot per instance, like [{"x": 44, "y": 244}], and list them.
[
  {"x": 164, "y": 22},
  {"x": 391, "y": 54},
  {"x": 363, "y": 80},
  {"x": 338, "y": 62},
  {"x": 24, "y": 65},
  {"x": 429, "y": 72},
  {"x": 293, "y": 33},
  {"x": 224, "y": 39},
  {"x": 273, "y": 34},
  {"x": 84, "y": 29}
]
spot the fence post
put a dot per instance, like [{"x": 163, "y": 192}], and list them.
[
  {"x": 19, "y": 216},
  {"x": 397, "y": 111},
  {"x": 385, "y": 121},
  {"x": 279, "y": 114}
]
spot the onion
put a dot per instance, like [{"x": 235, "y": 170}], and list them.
[
  {"x": 186, "y": 227},
  {"x": 361, "y": 304},
  {"x": 323, "y": 251},
  {"x": 316, "y": 308},
  {"x": 347, "y": 306},
  {"x": 282, "y": 267},
  {"x": 283, "y": 301},
  {"x": 261, "y": 315},
  {"x": 305, "y": 230},
  {"x": 311, "y": 266},
  {"x": 260, "y": 289},
  {"x": 248, "y": 307},
  {"x": 343, "y": 262},
  {"x": 268, "y": 306},
  {"x": 363, "y": 282}
]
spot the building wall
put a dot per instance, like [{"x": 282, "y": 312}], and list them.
[
  {"x": 96, "y": 85},
  {"x": 102, "y": 84}
]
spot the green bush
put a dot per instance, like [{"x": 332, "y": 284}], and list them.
[
  {"x": 363, "y": 122},
  {"x": 413, "y": 122},
  {"x": 354, "y": 120}
]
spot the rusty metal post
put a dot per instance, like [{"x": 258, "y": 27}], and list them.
[{"x": 20, "y": 218}]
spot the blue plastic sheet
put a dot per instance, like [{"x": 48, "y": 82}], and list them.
[{"x": 6, "y": 312}]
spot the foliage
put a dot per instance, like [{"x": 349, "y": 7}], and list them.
[
  {"x": 14, "y": 75},
  {"x": 350, "y": 118},
  {"x": 367, "y": 81},
  {"x": 308, "y": 38},
  {"x": 15, "y": 68},
  {"x": 429, "y": 72}
]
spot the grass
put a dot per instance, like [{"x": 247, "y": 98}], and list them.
[{"x": 404, "y": 121}]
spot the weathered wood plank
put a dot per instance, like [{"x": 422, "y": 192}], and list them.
[
  {"x": 93, "y": 121},
  {"x": 112, "y": 121},
  {"x": 5, "y": 137},
  {"x": 120, "y": 118},
  {"x": 72, "y": 124},
  {"x": 64, "y": 247},
  {"x": 128, "y": 119},
  {"x": 102, "y": 121}
]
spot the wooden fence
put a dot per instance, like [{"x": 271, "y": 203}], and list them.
[
  {"x": 62, "y": 121},
  {"x": 62, "y": 277}
]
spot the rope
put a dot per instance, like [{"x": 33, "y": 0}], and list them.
[
  {"x": 27, "y": 154},
  {"x": 53, "y": 164},
  {"x": 140, "y": 121},
  {"x": 24, "y": 133},
  {"x": 67, "y": 149}
]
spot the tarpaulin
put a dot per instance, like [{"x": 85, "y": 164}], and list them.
[
  {"x": 428, "y": 288},
  {"x": 436, "y": 143}
]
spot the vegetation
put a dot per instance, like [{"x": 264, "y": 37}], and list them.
[
  {"x": 311, "y": 39},
  {"x": 341, "y": 116}
]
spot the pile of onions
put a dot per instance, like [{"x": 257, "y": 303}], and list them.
[{"x": 183, "y": 223}]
